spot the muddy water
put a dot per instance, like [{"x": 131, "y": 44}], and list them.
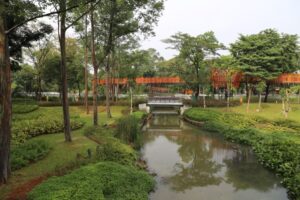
[{"x": 195, "y": 165}]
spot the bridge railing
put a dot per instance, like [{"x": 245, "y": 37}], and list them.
[{"x": 164, "y": 100}]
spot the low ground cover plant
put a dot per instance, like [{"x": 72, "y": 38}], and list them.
[
  {"x": 104, "y": 180},
  {"x": 19, "y": 108},
  {"x": 274, "y": 147},
  {"x": 111, "y": 148},
  {"x": 40, "y": 122},
  {"x": 27, "y": 129},
  {"x": 28, "y": 152}
]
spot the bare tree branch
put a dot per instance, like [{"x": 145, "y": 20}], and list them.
[
  {"x": 44, "y": 15},
  {"x": 83, "y": 14}
]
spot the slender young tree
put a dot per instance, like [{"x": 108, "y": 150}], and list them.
[
  {"x": 193, "y": 50},
  {"x": 96, "y": 67},
  {"x": 86, "y": 89},
  {"x": 123, "y": 18},
  {"x": 14, "y": 17}
]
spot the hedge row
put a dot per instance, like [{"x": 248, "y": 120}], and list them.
[
  {"x": 110, "y": 148},
  {"x": 104, "y": 180},
  {"x": 211, "y": 102},
  {"x": 28, "y": 152},
  {"x": 24, "y": 108},
  {"x": 25, "y": 129},
  {"x": 274, "y": 150},
  {"x": 121, "y": 102}
]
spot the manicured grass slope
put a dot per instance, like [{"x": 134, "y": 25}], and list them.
[
  {"x": 61, "y": 153},
  {"x": 276, "y": 142},
  {"x": 270, "y": 111},
  {"x": 104, "y": 180}
]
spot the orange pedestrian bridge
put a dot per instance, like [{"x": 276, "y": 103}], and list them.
[{"x": 217, "y": 79}]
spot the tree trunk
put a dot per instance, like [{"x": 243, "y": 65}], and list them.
[
  {"x": 267, "y": 92},
  {"x": 131, "y": 107},
  {"x": 107, "y": 88},
  {"x": 247, "y": 89},
  {"x": 95, "y": 79},
  {"x": 39, "y": 91},
  {"x": 5, "y": 99},
  {"x": 64, "y": 83},
  {"x": 204, "y": 100},
  {"x": 197, "y": 92},
  {"x": 228, "y": 98},
  {"x": 249, "y": 98},
  {"x": 86, "y": 89},
  {"x": 259, "y": 102},
  {"x": 79, "y": 91}
]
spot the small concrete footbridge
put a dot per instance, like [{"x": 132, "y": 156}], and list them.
[{"x": 164, "y": 104}]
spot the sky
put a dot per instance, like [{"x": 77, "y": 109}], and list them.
[{"x": 227, "y": 18}]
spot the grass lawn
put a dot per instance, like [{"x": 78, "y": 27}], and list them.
[
  {"x": 61, "y": 153},
  {"x": 270, "y": 111}
]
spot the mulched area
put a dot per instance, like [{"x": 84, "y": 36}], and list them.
[{"x": 20, "y": 193}]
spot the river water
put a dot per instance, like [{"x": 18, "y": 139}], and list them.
[{"x": 191, "y": 164}]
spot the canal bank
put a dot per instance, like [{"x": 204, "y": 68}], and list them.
[
  {"x": 193, "y": 164},
  {"x": 275, "y": 142}
]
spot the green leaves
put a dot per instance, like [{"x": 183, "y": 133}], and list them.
[
  {"x": 267, "y": 54},
  {"x": 29, "y": 152},
  {"x": 104, "y": 180}
]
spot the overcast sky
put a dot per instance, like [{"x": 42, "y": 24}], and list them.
[{"x": 227, "y": 18}]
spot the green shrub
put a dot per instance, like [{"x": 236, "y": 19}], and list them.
[
  {"x": 273, "y": 148},
  {"x": 29, "y": 152},
  {"x": 211, "y": 102},
  {"x": 128, "y": 130},
  {"x": 111, "y": 148},
  {"x": 25, "y": 129},
  {"x": 24, "y": 108},
  {"x": 116, "y": 152},
  {"x": 104, "y": 180},
  {"x": 140, "y": 115}
]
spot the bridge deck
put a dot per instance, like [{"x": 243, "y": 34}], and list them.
[{"x": 164, "y": 101}]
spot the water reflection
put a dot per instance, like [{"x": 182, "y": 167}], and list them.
[{"x": 192, "y": 164}]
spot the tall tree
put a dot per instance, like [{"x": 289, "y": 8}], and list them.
[
  {"x": 5, "y": 96},
  {"x": 266, "y": 55},
  {"x": 63, "y": 26},
  {"x": 96, "y": 67},
  {"x": 228, "y": 66},
  {"x": 193, "y": 51},
  {"x": 119, "y": 18},
  {"x": 38, "y": 55},
  {"x": 12, "y": 14}
]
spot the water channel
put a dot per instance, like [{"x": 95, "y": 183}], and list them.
[{"x": 191, "y": 164}]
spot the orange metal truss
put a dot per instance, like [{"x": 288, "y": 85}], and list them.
[
  {"x": 143, "y": 80},
  {"x": 288, "y": 78},
  {"x": 218, "y": 79}
]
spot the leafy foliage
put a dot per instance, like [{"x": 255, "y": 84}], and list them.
[
  {"x": 111, "y": 148},
  {"x": 39, "y": 122},
  {"x": 193, "y": 50},
  {"x": 24, "y": 108},
  {"x": 29, "y": 152},
  {"x": 128, "y": 129},
  {"x": 266, "y": 54},
  {"x": 104, "y": 180}
]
